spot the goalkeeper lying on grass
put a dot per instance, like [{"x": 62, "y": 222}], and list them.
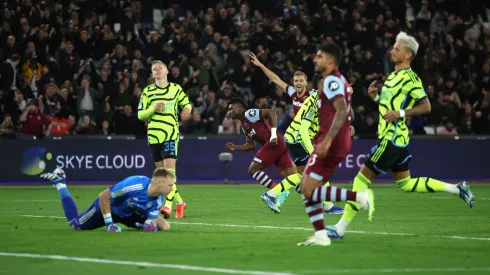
[{"x": 134, "y": 202}]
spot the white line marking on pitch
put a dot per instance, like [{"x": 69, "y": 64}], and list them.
[
  {"x": 397, "y": 270},
  {"x": 145, "y": 264},
  {"x": 304, "y": 229},
  {"x": 237, "y": 271},
  {"x": 484, "y": 199}
]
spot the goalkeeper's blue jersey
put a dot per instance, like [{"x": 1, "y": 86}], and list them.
[{"x": 130, "y": 197}]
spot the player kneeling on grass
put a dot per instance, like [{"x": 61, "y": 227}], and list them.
[{"x": 134, "y": 202}]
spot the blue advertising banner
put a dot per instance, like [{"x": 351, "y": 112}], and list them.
[{"x": 103, "y": 160}]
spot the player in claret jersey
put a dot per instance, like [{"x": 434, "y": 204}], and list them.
[
  {"x": 334, "y": 143},
  {"x": 273, "y": 151},
  {"x": 298, "y": 93}
]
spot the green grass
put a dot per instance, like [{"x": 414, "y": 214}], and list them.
[{"x": 433, "y": 217}]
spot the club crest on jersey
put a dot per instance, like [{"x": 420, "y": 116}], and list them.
[
  {"x": 149, "y": 204},
  {"x": 117, "y": 194},
  {"x": 333, "y": 85}
]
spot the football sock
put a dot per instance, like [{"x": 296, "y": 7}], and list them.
[
  {"x": 177, "y": 197},
  {"x": 352, "y": 207},
  {"x": 263, "y": 179},
  {"x": 332, "y": 193},
  {"x": 69, "y": 206},
  {"x": 424, "y": 185},
  {"x": 327, "y": 205},
  {"x": 287, "y": 183},
  {"x": 315, "y": 213}
]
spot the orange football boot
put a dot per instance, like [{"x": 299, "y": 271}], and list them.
[
  {"x": 179, "y": 211},
  {"x": 166, "y": 211}
]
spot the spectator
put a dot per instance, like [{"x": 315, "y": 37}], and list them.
[
  {"x": 85, "y": 126},
  {"x": 7, "y": 128},
  {"x": 34, "y": 121},
  {"x": 128, "y": 124},
  {"x": 106, "y": 129},
  {"x": 87, "y": 97},
  {"x": 449, "y": 130}
]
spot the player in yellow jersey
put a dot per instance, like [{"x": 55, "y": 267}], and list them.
[
  {"x": 402, "y": 95},
  {"x": 159, "y": 104}
]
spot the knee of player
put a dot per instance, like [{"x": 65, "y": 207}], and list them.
[
  {"x": 307, "y": 191},
  {"x": 252, "y": 170}
]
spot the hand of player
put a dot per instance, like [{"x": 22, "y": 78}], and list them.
[
  {"x": 372, "y": 89},
  {"x": 352, "y": 130},
  {"x": 391, "y": 116},
  {"x": 158, "y": 106},
  {"x": 255, "y": 60},
  {"x": 186, "y": 114},
  {"x": 111, "y": 227},
  {"x": 273, "y": 142},
  {"x": 322, "y": 148},
  {"x": 230, "y": 147}
]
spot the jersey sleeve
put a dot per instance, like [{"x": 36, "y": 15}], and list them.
[
  {"x": 333, "y": 87},
  {"x": 182, "y": 98},
  {"x": 290, "y": 90},
  {"x": 253, "y": 115},
  {"x": 310, "y": 109},
  {"x": 143, "y": 104},
  {"x": 417, "y": 92},
  {"x": 154, "y": 210},
  {"x": 312, "y": 92},
  {"x": 127, "y": 187}
]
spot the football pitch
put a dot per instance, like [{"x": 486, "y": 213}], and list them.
[{"x": 229, "y": 230}]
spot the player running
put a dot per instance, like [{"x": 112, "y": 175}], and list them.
[
  {"x": 134, "y": 202},
  {"x": 273, "y": 151},
  {"x": 402, "y": 95},
  {"x": 159, "y": 104},
  {"x": 334, "y": 144},
  {"x": 297, "y": 93}
]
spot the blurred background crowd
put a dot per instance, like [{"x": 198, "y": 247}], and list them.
[{"x": 78, "y": 67}]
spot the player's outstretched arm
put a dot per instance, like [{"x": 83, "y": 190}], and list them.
[
  {"x": 250, "y": 145},
  {"x": 373, "y": 92},
  {"x": 272, "y": 115},
  {"x": 270, "y": 74},
  {"x": 105, "y": 207}
]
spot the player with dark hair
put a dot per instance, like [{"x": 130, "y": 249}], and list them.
[
  {"x": 134, "y": 202},
  {"x": 402, "y": 95},
  {"x": 334, "y": 144},
  {"x": 273, "y": 151},
  {"x": 159, "y": 104}
]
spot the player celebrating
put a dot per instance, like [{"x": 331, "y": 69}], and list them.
[
  {"x": 297, "y": 93},
  {"x": 134, "y": 202},
  {"x": 273, "y": 151},
  {"x": 159, "y": 104},
  {"x": 402, "y": 95},
  {"x": 334, "y": 145}
]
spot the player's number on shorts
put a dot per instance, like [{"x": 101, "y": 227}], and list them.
[{"x": 170, "y": 146}]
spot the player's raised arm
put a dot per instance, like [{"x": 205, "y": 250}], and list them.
[
  {"x": 105, "y": 207},
  {"x": 373, "y": 91},
  {"x": 184, "y": 103},
  {"x": 270, "y": 74}
]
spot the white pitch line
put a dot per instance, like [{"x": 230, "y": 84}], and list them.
[
  {"x": 145, "y": 264},
  {"x": 484, "y": 199},
  {"x": 397, "y": 270},
  {"x": 307, "y": 229}
]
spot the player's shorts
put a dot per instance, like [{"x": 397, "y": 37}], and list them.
[
  {"x": 322, "y": 169},
  {"x": 165, "y": 150},
  {"x": 386, "y": 156},
  {"x": 278, "y": 156},
  {"x": 298, "y": 153},
  {"x": 92, "y": 218}
]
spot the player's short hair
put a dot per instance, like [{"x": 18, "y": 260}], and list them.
[
  {"x": 163, "y": 172},
  {"x": 333, "y": 50},
  {"x": 238, "y": 100},
  {"x": 408, "y": 41},
  {"x": 301, "y": 73},
  {"x": 158, "y": 62}
]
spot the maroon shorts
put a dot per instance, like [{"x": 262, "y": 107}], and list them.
[
  {"x": 322, "y": 169},
  {"x": 279, "y": 156}
]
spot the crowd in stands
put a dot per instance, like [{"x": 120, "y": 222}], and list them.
[{"x": 78, "y": 67}]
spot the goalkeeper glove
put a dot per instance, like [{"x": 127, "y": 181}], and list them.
[
  {"x": 148, "y": 226},
  {"x": 110, "y": 225}
]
